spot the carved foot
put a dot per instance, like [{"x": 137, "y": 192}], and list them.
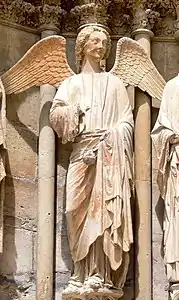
[
  {"x": 174, "y": 291},
  {"x": 74, "y": 282},
  {"x": 72, "y": 290},
  {"x": 74, "y": 287},
  {"x": 92, "y": 289},
  {"x": 93, "y": 282}
]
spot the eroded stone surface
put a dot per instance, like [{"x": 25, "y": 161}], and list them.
[{"x": 14, "y": 43}]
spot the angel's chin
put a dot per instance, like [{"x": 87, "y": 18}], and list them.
[{"x": 97, "y": 58}]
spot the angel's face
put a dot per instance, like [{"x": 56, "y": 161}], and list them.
[{"x": 96, "y": 46}]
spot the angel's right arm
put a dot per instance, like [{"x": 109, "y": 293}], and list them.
[{"x": 64, "y": 117}]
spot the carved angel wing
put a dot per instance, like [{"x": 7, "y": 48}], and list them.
[
  {"x": 45, "y": 62},
  {"x": 134, "y": 67},
  {"x": 2, "y": 119}
]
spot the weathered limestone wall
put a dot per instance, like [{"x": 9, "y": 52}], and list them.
[{"x": 17, "y": 263}]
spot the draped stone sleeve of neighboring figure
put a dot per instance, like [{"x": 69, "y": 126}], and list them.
[
  {"x": 64, "y": 116},
  {"x": 165, "y": 136},
  {"x": 165, "y": 130},
  {"x": 2, "y": 159}
]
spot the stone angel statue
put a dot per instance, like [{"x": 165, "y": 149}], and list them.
[{"x": 91, "y": 110}]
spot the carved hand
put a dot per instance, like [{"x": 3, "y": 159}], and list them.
[
  {"x": 82, "y": 110},
  {"x": 174, "y": 139}
]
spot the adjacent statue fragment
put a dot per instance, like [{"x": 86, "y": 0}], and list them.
[
  {"x": 92, "y": 111},
  {"x": 2, "y": 158},
  {"x": 165, "y": 136}
]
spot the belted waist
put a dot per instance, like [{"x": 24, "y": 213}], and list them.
[
  {"x": 86, "y": 144},
  {"x": 90, "y": 134}
]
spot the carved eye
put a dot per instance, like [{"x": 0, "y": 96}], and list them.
[{"x": 95, "y": 41}]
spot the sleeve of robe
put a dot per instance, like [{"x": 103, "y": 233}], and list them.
[
  {"x": 118, "y": 152},
  {"x": 64, "y": 117},
  {"x": 163, "y": 133},
  {"x": 120, "y": 137}
]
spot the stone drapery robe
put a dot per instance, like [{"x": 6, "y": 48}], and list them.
[
  {"x": 98, "y": 195},
  {"x": 165, "y": 136},
  {"x": 2, "y": 158}
]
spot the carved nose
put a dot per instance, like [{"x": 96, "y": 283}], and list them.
[{"x": 100, "y": 45}]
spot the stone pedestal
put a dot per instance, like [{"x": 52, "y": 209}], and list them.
[
  {"x": 174, "y": 291},
  {"x": 92, "y": 294}
]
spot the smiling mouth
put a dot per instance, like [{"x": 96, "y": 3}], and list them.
[{"x": 99, "y": 52}]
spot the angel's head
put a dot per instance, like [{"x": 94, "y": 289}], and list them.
[{"x": 92, "y": 40}]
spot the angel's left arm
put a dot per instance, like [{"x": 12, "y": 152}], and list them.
[
  {"x": 64, "y": 116},
  {"x": 125, "y": 125},
  {"x": 125, "y": 110}
]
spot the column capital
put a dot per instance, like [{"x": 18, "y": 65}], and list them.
[
  {"x": 49, "y": 29},
  {"x": 143, "y": 31},
  {"x": 50, "y": 15}
]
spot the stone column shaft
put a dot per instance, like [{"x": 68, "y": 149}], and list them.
[
  {"x": 46, "y": 185},
  {"x": 143, "y": 277}
]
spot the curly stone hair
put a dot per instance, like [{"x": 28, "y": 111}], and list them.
[{"x": 83, "y": 37}]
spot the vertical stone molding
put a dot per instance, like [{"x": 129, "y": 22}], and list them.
[
  {"x": 176, "y": 34},
  {"x": 143, "y": 285},
  {"x": 46, "y": 181}
]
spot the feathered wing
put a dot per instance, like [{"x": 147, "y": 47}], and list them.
[
  {"x": 43, "y": 63},
  {"x": 2, "y": 117},
  {"x": 134, "y": 67}
]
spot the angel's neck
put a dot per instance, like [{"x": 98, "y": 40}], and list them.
[{"x": 90, "y": 66}]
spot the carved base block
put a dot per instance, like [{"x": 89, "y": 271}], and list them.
[
  {"x": 174, "y": 291},
  {"x": 85, "y": 293}
]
